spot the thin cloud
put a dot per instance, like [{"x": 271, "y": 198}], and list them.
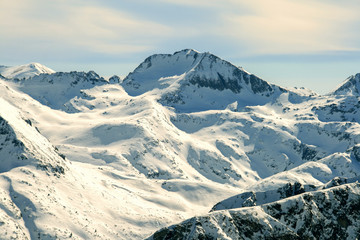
[
  {"x": 95, "y": 28},
  {"x": 284, "y": 26},
  {"x": 281, "y": 26},
  {"x": 257, "y": 27}
]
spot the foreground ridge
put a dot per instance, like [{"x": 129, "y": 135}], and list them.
[{"x": 328, "y": 214}]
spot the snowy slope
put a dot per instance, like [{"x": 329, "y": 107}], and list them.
[
  {"x": 181, "y": 133},
  {"x": 21, "y": 144},
  {"x": 102, "y": 194},
  {"x": 24, "y": 71}
]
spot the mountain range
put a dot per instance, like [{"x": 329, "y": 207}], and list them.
[{"x": 187, "y": 146}]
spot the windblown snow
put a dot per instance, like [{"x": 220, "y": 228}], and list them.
[{"x": 83, "y": 157}]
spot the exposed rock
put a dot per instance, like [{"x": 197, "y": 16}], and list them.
[{"x": 328, "y": 214}]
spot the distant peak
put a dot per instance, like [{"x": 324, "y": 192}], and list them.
[
  {"x": 188, "y": 74},
  {"x": 34, "y": 64},
  {"x": 351, "y": 86},
  {"x": 187, "y": 51},
  {"x": 25, "y": 71}
]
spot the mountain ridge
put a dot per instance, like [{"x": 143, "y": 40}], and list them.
[
  {"x": 351, "y": 86},
  {"x": 25, "y": 71},
  {"x": 325, "y": 214},
  {"x": 188, "y": 75},
  {"x": 191, "y": 135},
  {"x": 56, "y": 90}
]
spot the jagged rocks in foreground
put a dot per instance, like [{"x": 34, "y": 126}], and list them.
[
  {"x": 254, "y": 198},
  {"x": 328, "y": 214}
]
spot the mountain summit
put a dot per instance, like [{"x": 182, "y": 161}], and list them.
[{"x": 189, "y": 76}]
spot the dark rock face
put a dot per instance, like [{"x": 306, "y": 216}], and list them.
[
  {"x": 355, "y": 152},
  {"x": 10, "y": 146},
  {"x": 346, "y": 108},
  {"x": 258, "y": 85},
  {"x": 290, "y": 190},
  {"x": 114, "y": 79},
  {"x": 217, "y": 84},
  {"x": 307, "y": 153},
  {"x": 328, "y": 214}
]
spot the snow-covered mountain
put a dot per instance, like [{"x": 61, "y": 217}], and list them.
[
  {"x": 57, "y": 89},
  {"x": 24, "y": 71},
  {"x": 180, "y": 134},
  {"x": 187, "y": 76}
]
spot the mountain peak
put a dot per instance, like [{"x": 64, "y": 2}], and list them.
[
  {"x": 351, "y": 86},
  {"x": 25, "y": 71},
  {"x": 187, "y": 51},
  {"x": 187, "y": 75}
]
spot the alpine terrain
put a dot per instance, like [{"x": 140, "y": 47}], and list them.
[{"x": 187, "y": 146}]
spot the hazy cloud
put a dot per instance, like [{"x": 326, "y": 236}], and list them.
[
  {"x": 95, "y": 28},
  {"x": 285, "y": 26}
]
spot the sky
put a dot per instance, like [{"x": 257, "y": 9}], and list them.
[{"x": 309, "y": 43}]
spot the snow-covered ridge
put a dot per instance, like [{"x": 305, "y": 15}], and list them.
[
  {"x": 351, "y": 86},
  {"x": 21, "y": 144},
  {"x": 188, "y": 76},
  {"x": 201, "y": 69},
  {"x": 254, "y": 198},
  {"x": 24, "y": 71},
  {"x": 57, "y": 89},
  {"x": 326, "y": 214}
]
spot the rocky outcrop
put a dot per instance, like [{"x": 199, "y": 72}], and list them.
[{"x": 325, "y": 214}]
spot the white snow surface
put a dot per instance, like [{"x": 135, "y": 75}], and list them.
[
  {"x": 159, "y": 148},
  {"x": 24, "y": 71}
]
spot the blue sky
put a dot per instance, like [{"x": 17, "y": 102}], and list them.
[{"x": 310, "y": 43}]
